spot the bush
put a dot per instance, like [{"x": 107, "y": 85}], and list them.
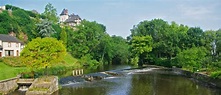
[
  {"x": 1, "y": 59},
  {"x": 163, "y": 62},
  {"x": 216, "y": 74},
  {"x": 12, "y": 61},
  {"x": 88, "y": 61}
]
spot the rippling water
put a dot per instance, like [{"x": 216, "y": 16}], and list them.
[
  {"x": 140, "y": 82},
  {"x": 147, "y": 81}
]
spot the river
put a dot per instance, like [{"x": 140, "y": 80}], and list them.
[{"x": 146, "y": 81}]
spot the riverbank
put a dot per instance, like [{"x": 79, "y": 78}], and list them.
[
  {"x": 202, "y": 78},
  {"x": 10, "y": 71}
]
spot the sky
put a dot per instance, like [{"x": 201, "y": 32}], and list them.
[{"x": 119, "y": 16}]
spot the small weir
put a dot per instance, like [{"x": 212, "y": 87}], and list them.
[
  {"x": 24, "y": 84},
  {"x": 78, "y": 72},
  {"x": 78, "y": 77},
  {"x": 138, "y": 81}
]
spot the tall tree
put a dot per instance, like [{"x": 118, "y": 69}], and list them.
[
  {"x": 51, "y": 13},
  {"x": 141, "y": 46},
  {"x": 45, "y": 29},
  {"x": 193, "y": 58}
]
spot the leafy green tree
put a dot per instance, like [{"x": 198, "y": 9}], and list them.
[
  {"x": 51, "y": 13},
  {"x": 141, "y": 46},
  {"x": 195, "y": 37},
  {"x": 43, "y": 53},
  {"x": 120, "y": 50},
  {"x": 193, "y": 58},
  {"x": 86, "y": 38},
  {"x": 45, "y": 29}
]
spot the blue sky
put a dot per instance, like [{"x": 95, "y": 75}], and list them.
[{"x": 119, "y": 16}]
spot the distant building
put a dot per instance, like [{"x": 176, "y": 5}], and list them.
[
  {"x": 2, "y": 8},
  {"x": 70, "y": 20},
  {"x": 10, "y": 46},
  {"x": 35, "y": 11}
]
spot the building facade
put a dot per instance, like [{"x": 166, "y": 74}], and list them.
[
  {"x": 70, "y": 20},
  {"x": 10, "y": 46},
  {"x": 2, "y": 8}
]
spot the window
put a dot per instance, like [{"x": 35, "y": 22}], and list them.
[
  {"x": 9, "y": 44},
  {"x": 9, "y": 53}
]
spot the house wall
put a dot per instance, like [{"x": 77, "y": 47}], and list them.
[
  {"x": 14, "y": 46},
  {"x": 2, "y": 7},
  {"x": 63, "y": 18}
]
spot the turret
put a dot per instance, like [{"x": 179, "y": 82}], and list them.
[{"x": 63, "y": 15}]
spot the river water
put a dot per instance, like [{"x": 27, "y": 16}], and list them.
[{"x": 147, "y": 81}]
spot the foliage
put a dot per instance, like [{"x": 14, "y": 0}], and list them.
[
  {"x": 141, "y": 46},
  {"x": 90, "y": 41},
  {"x": 192, "y": 58},
  {"x": 166, "y": 38},
  {"x": 45, "y": 29},
  {"x": 12, "y": 61},
  {"x": 118, "y": 48},
  {"x": 216, "y": 74},
  {"x": 86, "y": 40},
  {"x": 63, "y": 37},
  {"x": 88, "y": 61},
  {"x": 41, "y": 53},
  {"x": 50, "y": 13}
]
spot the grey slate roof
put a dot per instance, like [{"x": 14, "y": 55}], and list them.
[
  {"x": 72, "y": 18},
  {"x": 7, "y": 38},
  {"x": 64, "y": 12}
]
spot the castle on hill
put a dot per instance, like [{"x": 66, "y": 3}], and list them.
[{"x": 70, "y": 20}]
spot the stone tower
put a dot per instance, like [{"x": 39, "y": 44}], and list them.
[{"x": 63, "y": 15}]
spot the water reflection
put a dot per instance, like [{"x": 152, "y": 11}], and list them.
[{"x": 151, "y": 83}]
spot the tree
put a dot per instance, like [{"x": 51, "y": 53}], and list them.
[
  {"x": 63, "y": 37},
  {"x": 86, "y": 38},
  {"x": 43, "y": 53},
  {"x": 193, "y": 58},
  {"x": 195, "y": 37},
  {"x": 45, "y": 29},
  {"x": 141, "y": 46},
  {"x": 51, "y": 13},
  {"x": 120, "y": 50}
]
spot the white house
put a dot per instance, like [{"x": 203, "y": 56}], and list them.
[
  {"x": 10, "y": 46},
  {"x": 70, "y": 20},
  {"x": 2, "y": 7}
]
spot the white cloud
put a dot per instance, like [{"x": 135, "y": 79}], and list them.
[{"x": 196, "y": 12}]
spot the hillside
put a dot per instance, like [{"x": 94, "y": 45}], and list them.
[{"x": 22, "y": 22}]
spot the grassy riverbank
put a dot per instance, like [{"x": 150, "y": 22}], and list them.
[{"x": 7, "y": 71}]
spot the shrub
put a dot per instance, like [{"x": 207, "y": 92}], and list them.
[
  {"x": 216, "y": 74},
  {"x": 88, "y": 61},
  {"x": 12, "y": 61}
]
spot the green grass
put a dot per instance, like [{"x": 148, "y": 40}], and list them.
[
  {"x": 9, "y": 72},
  {"x": 71, "y": 61}
]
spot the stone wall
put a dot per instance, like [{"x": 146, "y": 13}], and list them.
[
  {"x": 202, "y": 78},
  {"x": 43, "y": 86},
  {"x": 8, "y": 85}
]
